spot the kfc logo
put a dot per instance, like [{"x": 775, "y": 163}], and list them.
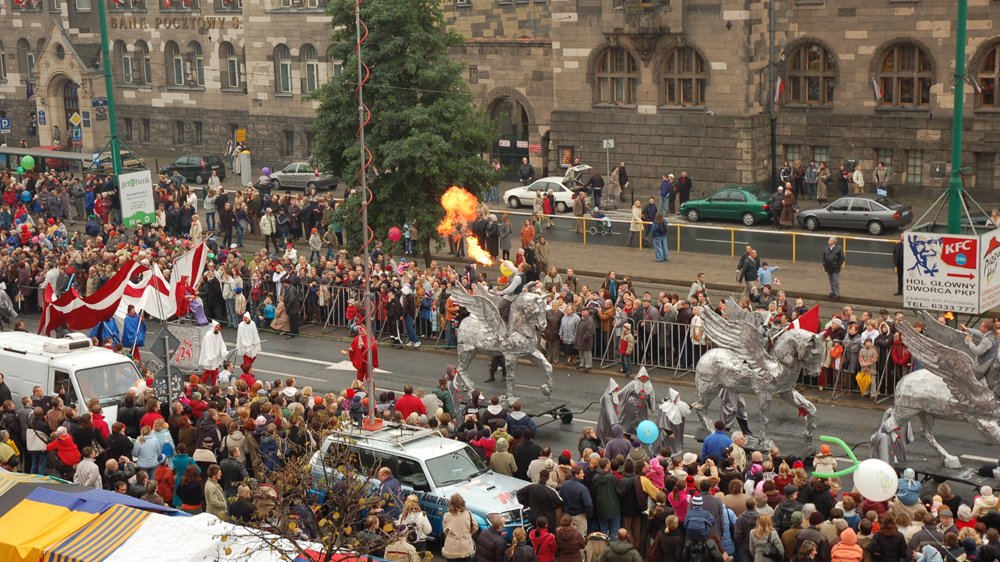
[{"x": 959, "y": 252}]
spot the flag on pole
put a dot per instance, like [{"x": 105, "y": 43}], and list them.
[
  {"x": 808, "y": 321},
  {"x": 975, "y": 84},
  {"x": 877, "y": 89},
  {"x": 779, "y": 90},
  {"x": 82, "y": 313},
  {"x": 185, "y": 275},
  {"x": 152, "y": 294}
]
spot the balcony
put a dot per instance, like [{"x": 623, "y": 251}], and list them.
[{"x": 644, "y": 22}]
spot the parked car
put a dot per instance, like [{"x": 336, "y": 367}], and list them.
[
  {"x": 745, "y": 203},
  {"x": 863, "y": 211},
  {"x": 562, "y": 189},
  {"x": 196, "y": 167},
  {"x": 427, "y": 465},
  {"x": 303, "y": 175}
]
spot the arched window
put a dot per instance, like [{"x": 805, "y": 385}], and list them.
[
  {"x": 336, "y": 67},
  {"x": 905, "y": 75},
  {"x": 617, "y": 77},
  {"x": 685, "y": 77},
  {"x": 197, "y": 63},
  {"x": 145, "y": 72},
  {"x": 282, "y": 69},
  {"x": 812, "y": 75},
  {"x": 121, "y": 63},
  {"x": 3, "y": 64},
  {"x": 232, "y": 66},
  {"x": 988, "y": 75},
  {"x": 174, "y": 63},
  {"x": 25, "y": 58},
  {"x": 310, "y": 63}
]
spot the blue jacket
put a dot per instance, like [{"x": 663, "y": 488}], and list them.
[
  {"x": 146, "y": 454},
  {"x": 714, "y": 445},
  {"x": 666, "y": 188},
  {"x": 521, "y": 420},
  {"x": 576, "y": 498}
]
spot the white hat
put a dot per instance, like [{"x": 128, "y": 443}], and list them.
[
  {"x": 288, "y": 391},
  {"x": 689, "y": 458}
]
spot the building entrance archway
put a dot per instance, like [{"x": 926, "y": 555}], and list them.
[
  {"x": 64, "y": 94},
  {"x": 513, "y": 125}
]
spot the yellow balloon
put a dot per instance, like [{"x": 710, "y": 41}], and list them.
[{"x": 507, "y": 268}]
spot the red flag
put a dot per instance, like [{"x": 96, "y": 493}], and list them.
[
  {"x": 779, "y": 90},
  {"x": 808, "y": 321},
  {"x": 81, "y": 313}
]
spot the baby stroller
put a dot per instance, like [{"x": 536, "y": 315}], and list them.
[{"x": 602, "y": 226}]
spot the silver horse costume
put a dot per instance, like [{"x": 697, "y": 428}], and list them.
[
  {"x": 8, "y": 314},
  {"x": 889, "y": 441},
  {"x": 484, "y": 330},
  {"x": 947, "y": 389},
  {"x": 628, "y": 405},
  {"x": 741, "y": 362}
]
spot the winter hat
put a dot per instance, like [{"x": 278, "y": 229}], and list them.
[
  {"x": 566, "y": 453},
  {"x": 964, "y": 513},
  {"x": 689, "y": 458},
  {"x": 824, "y": 449},
  {"x": 797, "y": 518},
  {"x": 61, "y": 430},
  {"x": 790, "y": 490},
  {"x": 196, "y": 396},
  {"x": 696, "y": 501},
  {"x": 161, "y": 459},
  {"x": 909, "y": 474},
  {"x": 261, "y": 420},
  {"x": 238, "y": 290},
  {"x": 798, "y": 464}
]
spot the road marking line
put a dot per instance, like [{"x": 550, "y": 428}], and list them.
[
  {"x": 528, "y": 386},
  {"x": 266, "y": 372},
  {"x": 289, "y": 357}
]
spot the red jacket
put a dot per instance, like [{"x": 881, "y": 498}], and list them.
[
  {"x": 100, "y": 425},
  {"x": 544, "y": 544},
  {"x": 66, "y": 449},
  {"x": 148, "y": 419},
  {"x": 409, "y": 403},
  {"x": 165, "y": 483}
]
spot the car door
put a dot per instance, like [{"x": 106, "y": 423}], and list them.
[
  {"x": 859, "y": 215},
  {"x": 297, "y": 177},
  {"x": 717, "y": 206},
  {"x": 836, "y": 214},
  {"x": 736, "y": 204},
  {"x": 413, "y": 478}
]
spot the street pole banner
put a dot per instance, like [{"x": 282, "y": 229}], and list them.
[
  {"x": 942, "y": 272},
  {"x": 138, "y": 203}
]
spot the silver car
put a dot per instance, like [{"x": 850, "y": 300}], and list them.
[
  {"x": 863, "y": 211},
  {"x": 303, "y": 175}
]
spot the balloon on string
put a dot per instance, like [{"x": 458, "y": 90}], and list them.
[
  {"x": 20, "y": 170},
  {"x": 876, "y": 480},
  {"x": 28, "y": 163},
  {"x": 395, "y": 234},
  {"x": 507, "y": 268},
  {"x": 647, "y": 432},
  {"x": 25, "y": 196},
  {"x": 265, "y": 171}
]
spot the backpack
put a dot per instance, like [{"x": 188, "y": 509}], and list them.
[{"x": 698, "y": 528}]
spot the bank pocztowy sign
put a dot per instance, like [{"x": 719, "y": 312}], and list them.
[{"x": 175, "y": 22}]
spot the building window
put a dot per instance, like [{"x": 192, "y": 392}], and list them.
[
  {"x": 288, "y": 148},
  {"x": 197, "y": 63},
  {"x": 174, "y": 5},
  {"x": 146, "y": 70},
  {"x": 122, "y": 5},
  {"x": 338, "y": 68},
  {"x": 884, "y": 155},
  {"x": 989, "y": 78},
  {"x": 25, "y": 58},
  {"x": 127, "y": 76},
  {"x": 231, "y": 66},
  {"x": 985, "y": 164},
  {"x": 299, "y": 3},
  {"x": 617, "y": 77},
  {"x": 178, "y": 132},
  {"x": 914, "y": 166},
  {"x": 473, "y": 74},
  {"x": 812, "y": 76},
  {"x": 310, "y": 139},
  {"x": 905, "y": 76},
  {"x": 228, "y": 5},
  {"x": 3, "y": 63},
  {"x": 83, "y": 5},
  {"x": 127, "y": 128},
  {"x": 27, "y": 5},
  {"x": 198, "y": 128},
  {"x": 793, "y": 152},
  {"x": 283, "y": 69},
  {"x": 311, "y": 61},
  {"x": 684, "y": 78},
  {"x": 821, "y": 154},
  {"x": 175, "y": 64},
  {"x": 145, "y": 130}
]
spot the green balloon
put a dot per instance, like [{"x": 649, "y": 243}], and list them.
[
  {"x": 28, "y": 163},
  {"x": 20, "y": 170}
]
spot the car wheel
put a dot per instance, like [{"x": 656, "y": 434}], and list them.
[
  {"x": 875, "y": 228},
  {"x": 812, "y": 224},
  {"x": 561, "y": 207},
  {"x": 693, "y": 215},
  {"x": 514, "y": 203},
  {"x": 277, "y": 184},
  {"x": 199, "y": 179},
  {"x": 749, "y": 219}
]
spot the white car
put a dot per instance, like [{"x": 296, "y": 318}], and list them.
[{"x": 562, "y": 188}]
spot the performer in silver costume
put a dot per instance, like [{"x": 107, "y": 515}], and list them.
[{"x": 628, "y": 405}]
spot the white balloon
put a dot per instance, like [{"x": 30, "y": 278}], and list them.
[{"x": 876, "y": 480}]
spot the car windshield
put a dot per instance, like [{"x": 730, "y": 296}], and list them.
[
  {"x": 108, "y": 382},
  {"x": 459, "y": 466},
  {"x": 887, "y": 202}
]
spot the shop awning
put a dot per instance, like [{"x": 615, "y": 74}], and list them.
[{"x": 98, "y": 539}]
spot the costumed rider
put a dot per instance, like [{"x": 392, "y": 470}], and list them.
[
  {"x": 213, "y": 354},
  {"x": 247, "y": 342},
  {"x": 359, "y": 354},
  {"x": 982, "y": 345},
  {"x": 673, "y": 410},
  {"x": 133, "y": 333},
  {"x": 516, "y": 279}
]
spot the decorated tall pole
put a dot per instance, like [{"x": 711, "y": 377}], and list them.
[
  {"x": 109, "y": 85},
  {"x": 955, "y": 180}
]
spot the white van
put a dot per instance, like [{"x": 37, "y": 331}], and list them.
[{"x": 71, "y": 363}]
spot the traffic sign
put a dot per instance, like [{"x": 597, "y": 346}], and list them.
[
  {"x": 77, "y": 134},
  {"x": 608, "y": 144},
  {"x": 41, "y": 116},
  {"x": 75, "y": 119},
  {"x": 241, "y": 135},
  {"x": 4, "y": 126}
]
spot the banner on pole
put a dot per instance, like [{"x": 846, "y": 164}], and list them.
[{"x": 138, "y": 203}]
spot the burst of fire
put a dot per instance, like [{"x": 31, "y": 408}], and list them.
[{"x": 460, "y": 208}]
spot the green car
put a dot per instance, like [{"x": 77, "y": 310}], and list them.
[{"x": 745, "y": 203}]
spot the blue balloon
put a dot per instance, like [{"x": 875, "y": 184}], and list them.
[
  {"x": 647, "y": 432},
  {"x": 25, "y": 196}
]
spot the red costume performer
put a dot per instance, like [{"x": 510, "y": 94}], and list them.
[{"x": 359, "y": 355}]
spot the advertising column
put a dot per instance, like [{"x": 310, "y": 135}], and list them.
[{"x": 941, "y": 272}]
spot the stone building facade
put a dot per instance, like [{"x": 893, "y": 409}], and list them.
[{"x": 677, "y": 84}]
